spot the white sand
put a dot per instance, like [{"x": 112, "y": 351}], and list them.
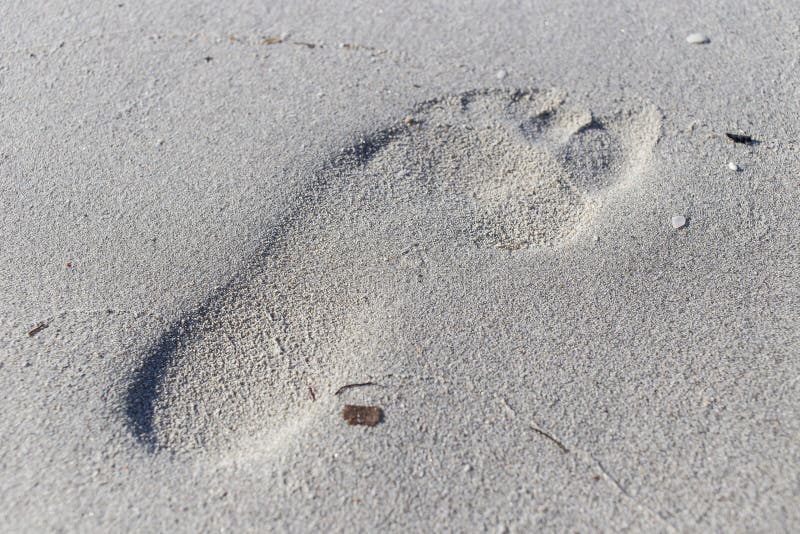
[{"x": 216, "y": 231}]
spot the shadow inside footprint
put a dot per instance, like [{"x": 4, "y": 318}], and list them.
[{"x": 463, "y": 176}]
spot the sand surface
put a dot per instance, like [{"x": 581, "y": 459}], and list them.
[{"x": 216, "y": 216}]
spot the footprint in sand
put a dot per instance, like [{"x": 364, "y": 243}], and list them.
[{"x": 463, "y": 179}]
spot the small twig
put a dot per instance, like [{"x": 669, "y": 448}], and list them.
[
  {"x": 360, "y": 384},
  {"x": 550, "y": 437},
  {"x": 312, "y": 394},
  {"x": 590, "y": 460},
  {"x": 38, "y": 328}
]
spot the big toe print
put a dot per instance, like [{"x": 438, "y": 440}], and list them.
[{"x": 481, "y": 173}]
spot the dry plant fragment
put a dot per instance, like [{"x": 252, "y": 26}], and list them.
[
  {"x": 362, "y": 415},
  {"x": 36, "y": 329},
  {"x": 360, "y": 384}
]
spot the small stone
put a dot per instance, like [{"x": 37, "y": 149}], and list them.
[
  {"x": 734, "y": 167},
  {"x": 697, "y": 38},
  {"x": 501, "y": 74},
  {"x": 678, "y": 221},
  {"x": 467, "y": 468}
]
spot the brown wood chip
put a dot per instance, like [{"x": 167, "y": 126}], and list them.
[{"x": 362, "y": 415}]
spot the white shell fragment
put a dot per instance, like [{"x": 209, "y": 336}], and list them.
[
  {"x": 734, "y": 167},
  {"x": 697, "y": 38},
  {"x": 678, "y": 221}
]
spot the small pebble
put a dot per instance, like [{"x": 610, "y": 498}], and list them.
[
  {"x": 734, "y": 167},
  {"x": 697, "y": 38},
  {"x": 678, "y": 221},
  {"x": 501, "y": 74}
]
